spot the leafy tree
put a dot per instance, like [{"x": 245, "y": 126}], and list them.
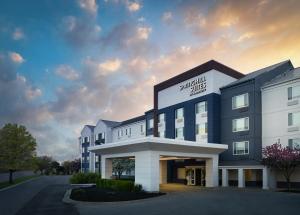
[
  {"x": 55, "y": 167},
  {"x": 43, "y": 164},
  {"x": 67, "y": 167},
  {"x": 75, "y": 165},
  {"x": 17, "y": 148},
  {"x": 122, "y": 165},
  {"x": 284, "y": 159}
]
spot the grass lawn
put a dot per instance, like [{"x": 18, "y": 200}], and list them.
[{"x": 17, "y": 181}]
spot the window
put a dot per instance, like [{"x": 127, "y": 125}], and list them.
[
  {"x": 179, "y": 133},
  {"x": 88, "y": 158},
  {"x": 294, "y": 119},
  {"x": 150, "y": 123},
  {"x": 293, "y": 92},
  {"x": 240, "y": 101},
  {"x": 201, "y": 107},
  {"x": 126, "y": 131},
  {"x": 142, "y": 128},
  {"x": 161, "y": 117},
  {"x": 241, "y": 148},
  {"x": 86, "y": 139},
  {"x": 129, "y": 131},
  {"x": 96, "y": 159},
  {"x": 201, "y": 129},
  {"x": 294, "y": 143},
  {"x": 161, "y": 134},
  {"x": 179, "y": 113},
  {"x": 119, "y": 133},
  {"x": 241, "y": 124}
]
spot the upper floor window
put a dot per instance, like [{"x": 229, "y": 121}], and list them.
[
  {"x": 293, "y": 92},
  {"x": 129, "y": 133},
  {"x": 241, "y": 124},
  {"x": 240, "y": 101},
  {"x": 179, "y": 113},
  {"x": 201, "y": 107},
  {"x": 241, "y": 148},
  {"x": 150, "y": 123},
  {"x": 142, "y": 128},
  {"x": 294, "y": 119},
  {"x": 161, "y": 117},
  {"x": 294, "y": 143},
  {"x": 86, "y": 139},
  {"x": 201, "y": 129},
  {"x": 126, "y": 131},
  {"x": 179, "y": 133}
]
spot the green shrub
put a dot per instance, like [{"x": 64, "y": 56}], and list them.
[
  {"x": 78, "y": 194},
  {"x": 119, "y": 185},
  {"x": 85, "y": 178}
]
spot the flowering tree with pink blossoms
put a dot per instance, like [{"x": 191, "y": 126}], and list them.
[{"x": 284, "y": 159}]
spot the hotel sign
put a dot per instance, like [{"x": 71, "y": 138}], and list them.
[{"x": 196, "y": 86}]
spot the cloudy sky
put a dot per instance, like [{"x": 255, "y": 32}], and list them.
[{"x": 67, "y": 63}]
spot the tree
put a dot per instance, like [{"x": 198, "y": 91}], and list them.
[
  {"x": 43, "y": 164},
  {"x": 75, "y": 165},
  {"x": 67, "y": 167},
  {"x": 284, "y": 159},
  {"x": 17, "y": 148},
  {"x": 55, "y": 167},
  {"x": 122, "y": 165}
]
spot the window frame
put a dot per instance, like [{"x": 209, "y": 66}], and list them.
[
  {"x": 245, "y": 105},
  {"x": 291, "y": 120},
  {"x": 159, "y": 118},
  {"x": 248, "y": 127},
  {"x": 150, "y": 123},
  {"x": 290, "y": 92},
  {"x": 176, "y": 137},
  {"x": 233, "y": 147},
  {"x": 196, "y": 107},
  {"x": 176, "y": 113}
]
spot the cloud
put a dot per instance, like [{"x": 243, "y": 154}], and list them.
[
  {"x": 80, "y": 31},
  {"x": 167, "y": 16},
  {"x": 66, "y": 72},
  {"x": 16, "y": 57},
  {"x": 33, "y": 93},
  {"x": 143, "y": 33},
  {"x": 111, "y": 65},
  {"x": 18, "y": 34},
  {"x": 133, "y": 6},
  {"x": 89, "y": 6}
]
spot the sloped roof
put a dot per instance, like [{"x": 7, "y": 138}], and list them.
[
  {"x": 111, "y": 123},
  {"x": 90, "y": 127},
  {"x": 132, "y": 120},
  {"x": 255, "y": 74},
  {"x": 284, "y": 77}
]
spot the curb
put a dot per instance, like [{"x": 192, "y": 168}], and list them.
[
  {"x": 15, "y": 185},
  {"x": 66, "y": 199}
]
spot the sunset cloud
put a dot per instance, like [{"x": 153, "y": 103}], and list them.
[
  {"x": 67, "y": 72},
  {"x": 18, "y": 34},
  {"x": 88, "y": 5},
  {"x": 133, "y": 6},
  {"x": 16, "y": 57}
]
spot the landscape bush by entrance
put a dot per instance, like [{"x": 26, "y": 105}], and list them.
[
  {"x": 96, "y": 194},
  {"x": 85, "y": 178}
]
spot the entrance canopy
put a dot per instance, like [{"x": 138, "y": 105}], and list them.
[
  {"x": 158, "y": 144},
  {"x": 151, "y": 155}
]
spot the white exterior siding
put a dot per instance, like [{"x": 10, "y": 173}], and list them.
[
  {"x": 173, "y": 95},
  {"x": 275, "y": 109},
  {"x": 133, "y": 131}
]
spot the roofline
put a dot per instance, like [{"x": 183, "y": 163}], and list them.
[
  {"x": 131, "y": 121},
  {"x": 279, "y": 83},
  {"x": 205, "y": 67}
]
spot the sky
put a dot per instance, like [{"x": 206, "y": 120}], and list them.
[{"x": 67, "y": 63}]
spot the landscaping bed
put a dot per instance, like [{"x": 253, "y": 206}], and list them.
[{"x": 95, "y": 194}]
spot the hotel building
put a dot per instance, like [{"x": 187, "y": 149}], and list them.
[{"x": 207, "y": 127}]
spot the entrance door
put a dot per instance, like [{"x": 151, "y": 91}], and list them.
[
  {"x": 191, "y": 176},
  {"x": 195, "y": 176}
]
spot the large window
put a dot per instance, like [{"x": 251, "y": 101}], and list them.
[
  {"x": 240, "y": 101},
  {"x": 294, "y": 119},
  {"x": 179, "y": 113},
  {"x": 241, "y": 148},
  {"x": 150, "y": 123},
  {"x": 241, "y": 124},
  {"x": 294, "y": 143},
  {"x": 161, "y": 117},
  {"x": 201, "y": 129},
  {"x": 179, "y": 133},
  {"x": 293, "y": 92},
  {"x": 201, "y": 107}
]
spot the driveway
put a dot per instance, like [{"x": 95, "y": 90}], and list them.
[
  {"x": 42, "y": 195},
  {"x": 203, "y": 201}
]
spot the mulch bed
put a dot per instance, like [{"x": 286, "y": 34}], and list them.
[{"x": 94, "y": 194}]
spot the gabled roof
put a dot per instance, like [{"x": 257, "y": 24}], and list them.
[
  {"x": 90, "y": 127},
  {"x": 132, "y": 120},
  {"x": 205, "y": 67},
  {"x": 284, "y": 77},
  {"x": 111, "y": 123},
  {"x": 255, "y": 74}
]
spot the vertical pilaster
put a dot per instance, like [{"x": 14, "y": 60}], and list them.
[
  {"x": 241, "y": 178},
  {"x": 106, "y": 168},
  {"x": 211, "y": 167},
  {"x": 224, "y": 177}
]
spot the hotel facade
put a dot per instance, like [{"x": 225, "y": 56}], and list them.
[{"x": 207, "y": 127}]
